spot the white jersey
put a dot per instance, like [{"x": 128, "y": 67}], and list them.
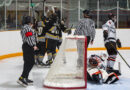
[
  {"x": 99, "y": 69},
  {"x": 109, "y": 26}
]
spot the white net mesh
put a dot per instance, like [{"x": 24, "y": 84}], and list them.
[{"x": 68, "y": 68}]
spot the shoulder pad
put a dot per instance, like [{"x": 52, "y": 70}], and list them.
[{"x": 109, "y": 22}]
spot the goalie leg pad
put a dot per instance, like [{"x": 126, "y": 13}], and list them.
[
  {"x": 110, "y": 70},
  {"x": 97, "y": 77},
  {"x": 89, "y": 77},
  {"x": 112, "y": 78}
]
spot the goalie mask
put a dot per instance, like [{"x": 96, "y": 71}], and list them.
[{"x": 93, "y": 61}]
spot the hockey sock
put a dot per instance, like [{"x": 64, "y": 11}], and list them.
[
  {"x": 49, "y": 61},
  {"x": 111, "y": 61},
  {"x": 49, "y": 56},
  {"x": 40, "y": 58},
  {"x": 53, "y": 56}
]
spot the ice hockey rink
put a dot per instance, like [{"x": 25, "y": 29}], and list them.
[
  {"x": 13, "y": 11},
  {"x": 11, "y": 68}
]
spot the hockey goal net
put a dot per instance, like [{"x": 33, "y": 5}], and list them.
[{"x": 68, "y": 70}]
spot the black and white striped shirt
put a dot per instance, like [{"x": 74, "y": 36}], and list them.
[
  {"x": 28, "y": 35},
  {"x": 86, "y": 27}
]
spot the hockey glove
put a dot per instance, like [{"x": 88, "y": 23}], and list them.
[
  {"x": 118, "y": 43},
  {"x": 105, "y": 34},
  {"x": 68, "y": 31}
]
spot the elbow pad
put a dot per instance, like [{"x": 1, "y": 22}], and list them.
[{"x": 105, "y": 35}]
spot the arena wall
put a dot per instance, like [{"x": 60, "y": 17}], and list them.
[{"x": 11, "y": 42}]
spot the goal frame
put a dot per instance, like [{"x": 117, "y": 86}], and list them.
[{"x": 85, "y": 69}]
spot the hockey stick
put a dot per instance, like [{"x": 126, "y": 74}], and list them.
[
  {"x": 121, "y": 57},
  {"x": 44, "y": 7},
  {"x": 119, "y": 67},
  {"x": 71, "y": 26},
  {"x": 70, "y": 29}
]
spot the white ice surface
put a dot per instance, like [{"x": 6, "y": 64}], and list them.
[{"x": 11, "y": 69}]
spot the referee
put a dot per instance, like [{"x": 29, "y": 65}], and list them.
[
  {"x": 28, "y": 47},
  {"x": 86, "y": 27}
]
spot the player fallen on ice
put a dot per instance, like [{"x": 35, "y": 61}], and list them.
[{"x": 96, "y": 70}]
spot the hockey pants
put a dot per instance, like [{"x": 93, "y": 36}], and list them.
[
  {"x": 112, "y": 52},
  {"x": 40, "y": 53},
  {"x": 51, "y": 48}
]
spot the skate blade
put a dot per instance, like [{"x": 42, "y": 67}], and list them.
[
  {"x": 22, "y": 84},
  {"x": 39, "y": 66},
  {"x": 46, "y": 66},
  {"x": 30, "y": 84}
]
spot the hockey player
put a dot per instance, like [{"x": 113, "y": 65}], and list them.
[
  {"x": 41, "y": 42},
  {"x": 110, "y": 39},
  {"x": 58, "y": 13},
  {"x": 96, "y": 71},
  {"x": 62, "y": 28},
  {"x": 53, "y": 28},
  {"x": 51, "y": 36}
]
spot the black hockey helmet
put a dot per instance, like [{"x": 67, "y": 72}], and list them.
[
  {"x": 54, "y": 17},
  {"x": 28, "y": 19},
  {"x": 43, "y": 18},
  {"x": 86, "y": 12},
  {"x": 111, "y": 15}
]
